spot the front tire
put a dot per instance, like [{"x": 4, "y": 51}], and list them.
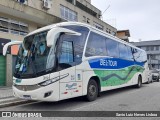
[{"x": 92, "y": 90}]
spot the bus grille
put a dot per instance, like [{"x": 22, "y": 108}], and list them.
[{"x": 27, "y": 87}]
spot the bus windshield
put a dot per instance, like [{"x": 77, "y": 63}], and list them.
[{"x": 33, "y": 61}]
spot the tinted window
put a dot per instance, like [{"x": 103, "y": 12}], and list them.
[
  {"x": 123, "y": 51},
  {"x": 66, "y": 55},
  {"x": 130, "y": 54},
  {"x": 112, "y": 48},
  {"x": 78, "y": 41},
  {"x": 96, "y": 45},
  {"x": 66, "y": 52}
]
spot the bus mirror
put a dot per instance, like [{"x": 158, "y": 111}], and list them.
[
  {"x": 54, "y": 33},
  {"x": 5, "y": 48}
]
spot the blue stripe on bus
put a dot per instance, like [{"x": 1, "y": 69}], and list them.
[{"x": 112, "y": 63}]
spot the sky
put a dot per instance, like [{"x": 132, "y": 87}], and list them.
[{"x": 141, "y": 17}]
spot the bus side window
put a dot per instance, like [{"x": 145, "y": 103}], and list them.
[
  {"x": 96, "y": 45},
  {"x": 140, "y": 56},
  {"x": 112, "y": 48},
  {"x": 130, "y": 54},
  {"x": 123, "y": 51},
  {"x": 66, "y": 57}
]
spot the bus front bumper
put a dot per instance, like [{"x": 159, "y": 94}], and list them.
[{"x": 47, "y": 93}]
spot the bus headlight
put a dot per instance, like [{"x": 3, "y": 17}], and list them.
[{"x": 48, "y": 82}]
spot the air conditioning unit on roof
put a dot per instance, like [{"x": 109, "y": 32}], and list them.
[{"x": 47, "y": 4}]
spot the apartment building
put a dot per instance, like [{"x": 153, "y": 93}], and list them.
[
  {"x": 19, "y": 17},
  {"x": 153, "y": 52}
]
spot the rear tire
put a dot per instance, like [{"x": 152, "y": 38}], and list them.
[
  {"x": 158, "y": 79},
  {"x": 139, "y": 84},
  {"x": 152, "y": 81},
  {"x": 148, "y": 82},
  {"x": 92, "y": 90}
]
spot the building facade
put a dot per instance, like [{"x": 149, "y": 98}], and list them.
[
  {"x": 123, "y": 34},
  {"x": 153, "y": 52},
  {"x": 19, "y": 17}
]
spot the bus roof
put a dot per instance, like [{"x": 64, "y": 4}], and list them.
[{"x": 81, "y": 24}]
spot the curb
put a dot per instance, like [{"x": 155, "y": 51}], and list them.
[
  {"x": 14, "y": 102},
  {"x": 5, "y": 88}
]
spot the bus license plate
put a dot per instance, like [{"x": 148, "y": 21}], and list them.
[{"x": 27, "y": 97}]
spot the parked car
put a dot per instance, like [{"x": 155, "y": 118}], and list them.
[
  {"x": 155, "y": 75},
  {"x": 150, "y": 80}
]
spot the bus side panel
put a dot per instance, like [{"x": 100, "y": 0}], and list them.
[
  {"x": 115, "y": 72},
  {"x": 87, "y": 73}
]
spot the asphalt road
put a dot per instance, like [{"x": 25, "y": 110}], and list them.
[{"x": 147, "y": 98}]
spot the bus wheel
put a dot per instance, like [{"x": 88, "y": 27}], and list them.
[
  {"x": 92, "y": 90},
  {"x": 139, "y": 84}
]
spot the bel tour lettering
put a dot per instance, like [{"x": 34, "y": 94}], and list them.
[{"x": 108, "y": 63}]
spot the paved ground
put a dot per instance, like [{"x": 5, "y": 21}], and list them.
[
  {"x": 6, "y": 92},
  {"x": 146, "y": 98}
]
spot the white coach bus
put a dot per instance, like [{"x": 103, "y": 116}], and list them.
[{"x": 72, "y": 59}]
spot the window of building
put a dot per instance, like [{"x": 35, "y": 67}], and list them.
[
  {"x": 23, "y": 1},
  {"x": 23, "y": 33},
  {"x": 157, "y": 56},
  {"x": 68, "y": 14},
  {"x": 14, "y": 32},
  {"x": 98, "y": 25},
  {"x": 112, "y": 48},
  {"x": 107, "y": 30},
  {"x": 153, "y": 56},
  {"x": 88, "y": 20},
  {"x": 157, "y": 47},
  {"x": 96, "y": 45},
  {"x": 152, "y": 48},
  {"x": 84, "y": 19},
  {"x": 4, "y": 25},
  {"x": 147, "y": 48},
  {"x": 144, "y": 48},
  {"x": 2, "y": 29},
  {"x": 114, "y": 33},
  {"x": 148, "y": 56},
  {"x": 72, "y": 2},
  {"x": 13, "y": 26}
]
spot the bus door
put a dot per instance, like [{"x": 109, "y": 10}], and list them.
[{"x": 66, "y": 67}]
